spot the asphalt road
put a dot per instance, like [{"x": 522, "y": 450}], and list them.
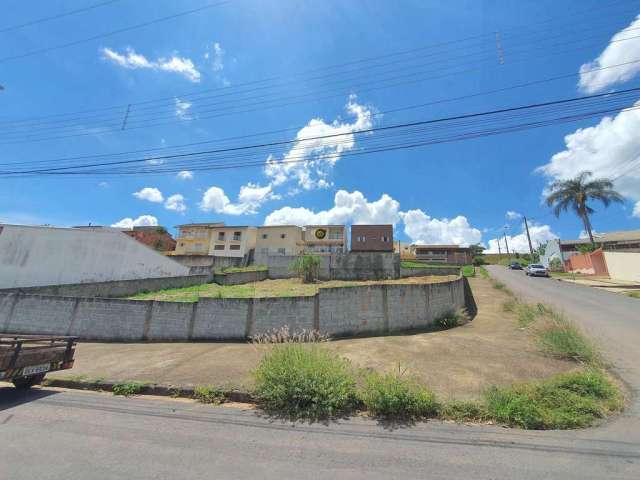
[
  {"x": 53, "y": 434},
  {"x": 46, "y": 434}
]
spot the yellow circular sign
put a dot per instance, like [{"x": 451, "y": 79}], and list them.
[{"x": 321, "y": 233}]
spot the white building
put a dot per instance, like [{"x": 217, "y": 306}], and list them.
[
  {"x": 35, "y": 256},
  {"x": 230, "y": 241}
]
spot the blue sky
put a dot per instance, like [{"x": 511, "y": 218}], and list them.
[{"x": 203, "y": 64}]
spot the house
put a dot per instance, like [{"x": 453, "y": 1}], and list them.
[
  {"x": 232, "y": 241},
  {"x": 32, "y": 256},
  {"x": 280, "y": 240},
  {"x": 406, "y": 250},
  {"x": 621, "y": 241},
  {"x": 324, "y": 239},
  {"x": 372, "y": 238},
  {"x": 155, "y": 237},
  {"x": 451, "y": 254},
  {"x": 195, "y": 238}
]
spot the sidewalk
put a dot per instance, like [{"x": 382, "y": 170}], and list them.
[{"x": 603, "y": 283}]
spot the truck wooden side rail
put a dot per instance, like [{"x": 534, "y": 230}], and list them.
[{"x": 25, "y": 359}]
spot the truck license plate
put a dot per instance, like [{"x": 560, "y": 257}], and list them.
[{"x": 35, "y": 369}]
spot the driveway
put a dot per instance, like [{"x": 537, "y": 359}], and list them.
[{"x": 612, "y": 320}]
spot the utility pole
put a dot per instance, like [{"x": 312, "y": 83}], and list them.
[
  {"x": 499, "y": 249},
  {"x": 506, "y": 244},
  {"x": 526, "y": 227}
]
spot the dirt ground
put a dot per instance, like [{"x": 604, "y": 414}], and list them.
[{"x": 457, "y": 363}]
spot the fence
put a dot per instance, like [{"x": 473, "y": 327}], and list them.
[
  {"x": 345, "y": 311},
  {"x": 592, "y": 263}
]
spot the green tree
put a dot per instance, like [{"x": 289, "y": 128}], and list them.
[{"x": 575, "y": 193}]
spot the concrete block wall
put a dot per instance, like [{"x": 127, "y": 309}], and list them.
[
  {"x": 239, "y": 278},
  {"x": 423, "y": 272},
  {"x": 372, "y": 309}
]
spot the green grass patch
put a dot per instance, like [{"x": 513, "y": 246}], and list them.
[
  {"x": 464, "y": 411},
  {"x": 563, "y": 339},
  {"x": 128, "y": 388},
  {"x": 208, "y": 394},
  {"x": 451, "y": 319},
  {"x": 484, "y": 272},
  {"x": 305, "y": 381},
  {"x": 248, "y": 268},
  {"x": 469, "y": 271},
  {"x": 394, "y": 396},
  {"x": 633, "y": 294},
  {"x": 498, "y": 285},
  {"x": 573, "y": 400}
]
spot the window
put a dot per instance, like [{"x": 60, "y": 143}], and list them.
[
  {"x": 264, "y": 250},
  {"x": 234, "y": 247},
  {"x": 218, "y": 247},
  {"x": 385, "y": 239},
  {"x": 221, "y": 236},
  {"x": 281, "y": 251},
  {"x": 283, "y": 235},
  {"x": 236, "y": 236},
  {"x": 362, "y": 239},
  {"x": 181, "y": 244},
  {"x": 264, "y": 236}
]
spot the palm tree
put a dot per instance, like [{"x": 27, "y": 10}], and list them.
[{"x": 576, "y": 192}]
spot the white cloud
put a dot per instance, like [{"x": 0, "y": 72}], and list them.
[
  {"x": 350, "y": 208},
  {"x": 423, "y": 229},
  {"x": 141, "y": 221},
  {"x": 636, "y": 210},
  {"x": 309, "y": 162},
  {"x": 540, "y": 234},
  {"x": 511, "y": 215},
  {"x": 617, "y": 52},
  {"x": 609, "y": 149},
  {"x": 182, "y": 109},
  {"x": 175, "y": 203},
  {"x": 185, "y": 175},
  {"x": 150, "y": 194},
  {"x": 132, "y": 60},
  {"x": 216, "y": 56},
  {"x": 250, "y": 198},
  {"x": 104, "y": 185}
]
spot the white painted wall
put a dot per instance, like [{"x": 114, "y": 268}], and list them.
[
  {"x": 623, "y": 265},
  {"x": 35, "y": 256}
]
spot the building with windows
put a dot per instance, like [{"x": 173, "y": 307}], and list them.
[
  {"x": 451, "y": 254},
  {"x": 232, "y": 241},
  {"x": 280, "y": 240},
  {"x": 195, "y": 238},
  {"x": 325, "y": 239},
  {"x": 372, "y": 238},
  {"x": 406, "y": 250}
]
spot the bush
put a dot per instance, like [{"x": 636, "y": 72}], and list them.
[
  {"x": 208, "y": 394},
  {"x": 307, "y": 267},
  {"x": 391, "y": 395},
  {"x": 128, "y": 388},
  {"x": 284, "y": 335},
  {"x": 564, "y": 340},
  {"x": 451, "y": 319},
  {"x": 464, "y": 411},
  {"x": 572, "y": 400},
  {"x": 302, "y": 381},
  {"x": 468, "y": 271},
  {"x": 478, "y": 260}
]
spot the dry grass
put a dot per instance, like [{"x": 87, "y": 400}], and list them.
[{"x": 288, "y": 287}]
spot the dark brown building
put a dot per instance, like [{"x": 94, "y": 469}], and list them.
[{"x": 372, "y": 238}]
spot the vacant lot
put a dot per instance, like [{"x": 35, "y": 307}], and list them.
[
  {"x": 457, "y": 363},
  {"x": 289, "y": 287}
]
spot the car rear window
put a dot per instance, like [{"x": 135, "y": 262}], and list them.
[{"x": 536, "y": 266}]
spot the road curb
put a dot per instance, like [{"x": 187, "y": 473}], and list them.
[{"x": 174, "y": 391}]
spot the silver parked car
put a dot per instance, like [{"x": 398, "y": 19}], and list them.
[{"x": 536, "y": 270}]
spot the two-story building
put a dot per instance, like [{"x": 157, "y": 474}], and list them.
[
  {"x": 372, "y": 238},
  {"x": 232, "y": 241},
  {"x": 195, "y": 238},
  {"x": 280, "y": 240},
  {"x": 325, "y": 239}
]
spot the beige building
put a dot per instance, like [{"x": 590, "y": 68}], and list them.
[
  {"x": 406, "y": 250},
  {"x": 279, "y": 240},
  {"x": 325, "y": 239},
  {"x": 194, "y": 238},
  {"x": 232, "y": 241}
]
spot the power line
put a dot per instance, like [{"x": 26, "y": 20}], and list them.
[
  {"x": 56, "y": 17},
  {"x": 609, "y": 101},
  {"x": 111, "y": 33}
]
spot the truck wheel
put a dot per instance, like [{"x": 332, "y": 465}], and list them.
[{"x": 24, "y": 383}]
